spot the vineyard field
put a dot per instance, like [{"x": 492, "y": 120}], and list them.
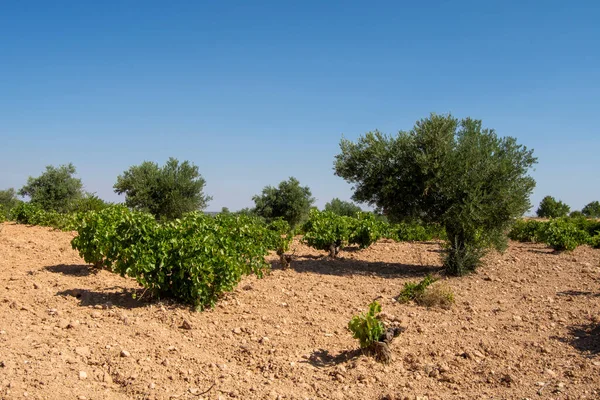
[{"x": 523, "y": 325}]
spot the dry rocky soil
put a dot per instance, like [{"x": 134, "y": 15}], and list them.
[{"x": 526, "y": 326}]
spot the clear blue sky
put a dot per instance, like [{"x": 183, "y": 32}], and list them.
[{"x": 254, "y": 92}]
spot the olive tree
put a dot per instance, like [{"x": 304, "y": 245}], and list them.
[
  {"x": 453, "y": 172},
  {"x": 166, "y": 192},
  {"x": 343, "y": 208},
  {"x": 551, "y": 208},
  {"x": 8, "y": 200},
  {"x": 288, "y": 201},
  {"x": 592, "y": 209},
  {"x": 54, "y": 190}
]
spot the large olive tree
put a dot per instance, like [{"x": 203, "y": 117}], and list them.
[{"x": 453, "y": 172}]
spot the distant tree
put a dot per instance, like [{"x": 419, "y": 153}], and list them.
[
  {"x": 576, "y": 214},
  {"x": 446, "y": 171},
  {"x": 288, "y": 201},
  {"x": 167, "y": 192},
  {"x": 225, "y": 210},
  {"x": 550, "y": 208},
  {"x": 55, "y": 190},
  {"x": 8, "y": 200},
  {"x": 343, "y": 208},
  {"x": 592, "y": 209},
  {"x": 89, "y": 202}
]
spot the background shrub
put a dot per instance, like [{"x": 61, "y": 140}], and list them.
[
  {"x": 526, "y": 230},
  {"x": 563, "y": 235}
]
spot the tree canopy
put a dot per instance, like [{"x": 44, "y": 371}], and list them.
[
  {"x": 343, "y": 208},
  {"x": 8, "y": 200},
  {"x": 288, "y": 201},
  {"x": 551, "y": 208},
  {"x": 54, "y": 190},
  {"x": 592, "y": 209},
  {"x": 453, "y": 172},
  {"x": 167, "y": 192}
]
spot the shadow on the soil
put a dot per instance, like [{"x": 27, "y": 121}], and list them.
[
  {"x": 72, "y": 269},
  {"x": 585, "y": 338},
  {"x": 347, "y": 266},
  {"x": 544, "y": 251},
  {"x": 113, "y": 297},
  {"x": 439, "y": 251},
  {"x": 577, "y": 293},
  {"x": 321, "y": 358}
]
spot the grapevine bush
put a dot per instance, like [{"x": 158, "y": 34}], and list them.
[
  {"x": 366, "y": 229},
  {"x": 563, "y": 235},
  {"x": 32, "y": 214},
  {"x": 366, "y": 327},
  {"x": 327, "y": 231},
  {"x": 194, "y": 259},
  {"x": 416, "y": 232},
  {"x": 283, "y": 235},
  {"x": 526, "y": 231}
]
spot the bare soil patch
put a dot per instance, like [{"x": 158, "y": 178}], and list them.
[{"x": 525, "y": 326}]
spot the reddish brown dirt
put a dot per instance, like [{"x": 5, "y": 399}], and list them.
[{"x": 525, "y": 326}]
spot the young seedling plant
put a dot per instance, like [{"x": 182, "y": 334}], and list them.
[{"x": 372, "y": 334}]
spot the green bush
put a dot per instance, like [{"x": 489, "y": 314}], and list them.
[
  {"x": 366, "y": 229},
  {"x": 413, "y": 290},
  {"x": 591, "y": 226},
  {"x": 526, "y": 230},
  {"x": 416, "y": 232},
  {"x": 366, "y": 327},
  {"x": 595, "y": 241},
  {"x": 563, "y": 235},
  {"x": 282, "y": 235},
  {"x": 97, "y": 240},
  {"x": 32, "y": 214},
  {"x": 327, "y": 231},
  {"x": 26, "y": 213},
  {"x": 194, "y": 259}
]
